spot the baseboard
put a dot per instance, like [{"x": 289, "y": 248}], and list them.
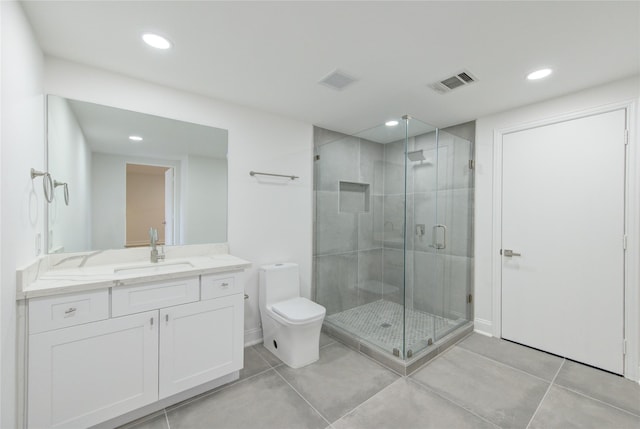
[
  {"x": 484, "y": 327},
  {"x": 252, "y": 337}
]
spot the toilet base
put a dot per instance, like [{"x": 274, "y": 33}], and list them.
[{"x": 295, "y": 345}]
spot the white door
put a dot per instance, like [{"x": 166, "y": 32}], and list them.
[
  {"x": 200, "y": 342},
  {"x": 563, "y": 213},
  {"x": 168, "y": 207},
  {"x": 86, "y": 374}
]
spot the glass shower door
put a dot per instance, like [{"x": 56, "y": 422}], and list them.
[{"x": 452, "y": 233}]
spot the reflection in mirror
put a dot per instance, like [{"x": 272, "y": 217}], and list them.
[{"x": 174, "y": 179}]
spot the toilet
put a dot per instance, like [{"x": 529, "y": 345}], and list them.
[{"x": 290, "y": 324}]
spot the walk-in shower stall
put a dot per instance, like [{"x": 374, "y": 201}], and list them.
[{"x": 393, "y": 251}]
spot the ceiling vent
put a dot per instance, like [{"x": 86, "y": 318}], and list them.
[
  {"x": 456, "y": 81},
  {"x": 337, "y": 80}
]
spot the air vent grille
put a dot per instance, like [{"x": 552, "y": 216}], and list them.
[
  {"x": 337, "y": 80},
  {"x": 456, "y": 81}
]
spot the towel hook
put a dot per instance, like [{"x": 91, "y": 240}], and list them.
[
  {"x": 47, "y": 183},
  {"x": 66, "y": 190}
]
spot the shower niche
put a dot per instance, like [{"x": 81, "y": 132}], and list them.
[
  {"x": 393, "y": 238},
  {"x": 354, "y": 197}
]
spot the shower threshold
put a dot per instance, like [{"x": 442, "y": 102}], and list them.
[{"x": 376, "y": 329}]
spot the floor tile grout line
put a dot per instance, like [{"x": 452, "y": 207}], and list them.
[
  {"x": 597, "y": 400},
  {"x": 510, "y": 366},
  {"x": 368, "y": 399},
  {"x": 451, "y": 400},
  {"x": 264, "y": 358},
  {"x": 545, "y": 394},
  {"x": 216, "y": 390},
  {"x": 166, "y": 417},
  {"x": 303, "y": 398}
]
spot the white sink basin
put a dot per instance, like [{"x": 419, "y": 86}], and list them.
[{"x": 160, "y": 267}]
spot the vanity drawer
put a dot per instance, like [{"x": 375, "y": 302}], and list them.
[
  {"x": 55, "y": 312},
  {"x": 150, "y": 296},
  {"x": 216, "y": 285}
]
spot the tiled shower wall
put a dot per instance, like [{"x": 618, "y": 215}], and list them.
[
  {"x": 359, "y": 256},
  {"x": 348, "y": 242}
]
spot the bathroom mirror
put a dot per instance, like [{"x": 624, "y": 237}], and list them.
[{"x": 118, "y": 173}]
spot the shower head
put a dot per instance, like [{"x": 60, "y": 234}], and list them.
[{"x": 416, "y": 155}]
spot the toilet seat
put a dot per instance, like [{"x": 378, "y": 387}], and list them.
[{"x": 298, "y": 310}]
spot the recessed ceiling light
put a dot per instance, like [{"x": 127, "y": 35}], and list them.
[
  {"x": 156, "y": 41},
  {"x": 135, "y": 138},
  {"x": 391, "y": 123},
  {"x": 539, "y": 74}
]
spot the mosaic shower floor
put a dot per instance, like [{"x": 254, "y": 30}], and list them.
[{"x": 380, "y": 323}]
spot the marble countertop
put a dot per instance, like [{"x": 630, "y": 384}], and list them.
[{"x": 54, "y": 275}]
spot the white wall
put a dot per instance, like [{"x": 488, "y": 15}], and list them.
[
  {"x": 269, "y": 220},
  {"x": 205, "y": 196},
  {"x": 485, "y": 254},
  {"x": 69, "y": 160},
  {"x": 22, "y": 200}
]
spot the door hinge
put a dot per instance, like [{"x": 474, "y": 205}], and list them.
[
  {"x": 317, "y": 157},
  {"x": 472, "y": 164},
  {"x": 624, "y": 242},
  {"x": 624, "y": 347},
  {"x": 469, "y": 298},
  {"x": 626, "y": 137}
]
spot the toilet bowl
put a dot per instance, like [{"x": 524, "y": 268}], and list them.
[{"x": 290, "y": 323}]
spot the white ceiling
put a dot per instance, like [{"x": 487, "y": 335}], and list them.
[{"x": 270, "y": 55}]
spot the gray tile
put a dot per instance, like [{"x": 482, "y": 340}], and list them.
[
  {"x": 325, "y": 340},
  {"x": 336, "y": 281},
  {"x": 564, "y": 409},
  {"x": 394, "y": 221},
  {"x": 369, "y": 276},
  {"x": 254, "y": 363},
  {"x": 371, "y": 224},
  {"x": 505, "y": 396},
  {"x": 336, "y": 232},
  {"x": 428, "y": 285},
  {"x": 338, "y": 162},
  {"x": 271, "y": 359},
  {"x": 339, "y": 381},
  {"x": 393, "y": 275},
  {"x": 394, "y": 168},
  {"x": 322, "y": 136},
  {"x": 153, "y": 421},
  {"x": 372, "y": 165},
  {"x": 404, "y": 404},
  {"x": 609, "y": 388},
  {"x": 534, "y": 362},
  {"x": 265, "y": 401}
]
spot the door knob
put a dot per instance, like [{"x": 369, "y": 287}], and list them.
[{"x": 509, "y": 253}]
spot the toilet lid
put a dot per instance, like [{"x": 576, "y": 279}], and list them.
[{"x": 298, "y": 309}]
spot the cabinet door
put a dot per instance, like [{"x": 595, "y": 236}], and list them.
[
  {"x": 86, "y": 374},
  {"x": 200, "y": 342}
]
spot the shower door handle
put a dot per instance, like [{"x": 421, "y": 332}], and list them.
[
  {"x": 510, "y": 253},
  {"x": 434, "y": 239}
]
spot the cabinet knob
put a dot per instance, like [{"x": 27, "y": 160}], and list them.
[
  {"x": 70, "y": 312},
  {"x": 224, "y": 284}
]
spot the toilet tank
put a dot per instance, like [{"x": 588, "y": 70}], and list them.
[{"x": 278, "y": 282}]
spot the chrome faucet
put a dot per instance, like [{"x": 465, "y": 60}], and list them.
[{"x": 155, "y": 256}]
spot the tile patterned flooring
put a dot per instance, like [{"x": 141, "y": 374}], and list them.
[
  {"x": 382, "y": 323},
  {"x": 480, "y": 382}
]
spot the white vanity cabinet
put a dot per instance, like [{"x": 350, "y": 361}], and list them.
[
  {"x": 200, "y": 342},
  {"x": 85, "y": 374},
  {"x": 104, "y": 355}
]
